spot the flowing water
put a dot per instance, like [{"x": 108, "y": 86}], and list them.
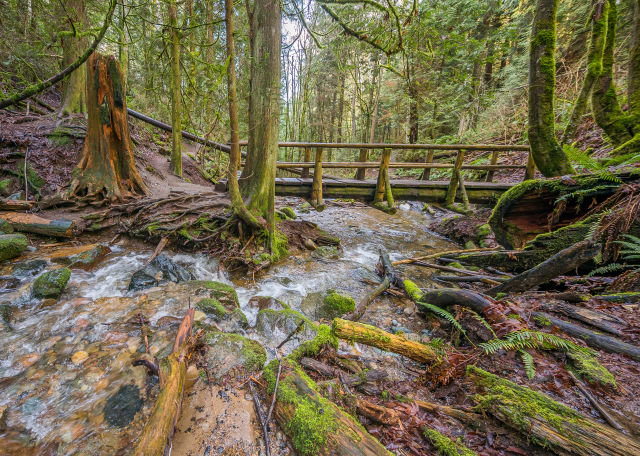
[{"x": 62, "y": 361}]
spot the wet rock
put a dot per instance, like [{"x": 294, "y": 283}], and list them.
[
  {"x": 3, "y": 418},
  {"x": 8, "y": 283},
  {"x": 266, "y": 302},
  {"x": 5, "y": 227},
  {"x": 229, "y": 320},
  {"x": 83, "y": 257},
  {"x": 160, "y": 269},
  {"x": 122, "y": 406},
  {"x": 12, "y": 245},
  {"x": 29, "y": 360},
  {"x": 288, "y": 212},
  {"x": 30, "y": 268},
  {"x": 51, "y": 284},
  {"x": 310, "y": 245},
  {"x": 79, "y": 357},
  {"x": 326, "y": 251},
  {"x": 228, "y": 353},
  {"x": 270, "y": 323},
  {"x": 7, "y": 310},
  {"x": 167, "y": 321},
  {"x": 327, "y": 306}
]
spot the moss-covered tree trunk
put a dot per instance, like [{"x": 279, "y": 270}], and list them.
[
  {"x": 258, "y": 175},
  {"x": 547, "y": 152},
  {"x": 74, "y": 95},
  {"x": 107, "y": 168},
  {"x": 599, "y": 18},
  {"x": 176, "y": 95}
]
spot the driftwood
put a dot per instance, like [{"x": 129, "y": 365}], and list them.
[
  {"x": 389, "y": 278},
  {"x": 595, "y": 340},
  {"x": 31, "y": 223},
  {"x": 375, "y": 337},
  {"x": 378, "y": 413},
  {"x": 560, "y": 263},
  {"x": 315, "y": 424},
  {"x": 593, "y": 318},
  {"x": 547, "y": 422},
  {"x": 158, "y": 431}
]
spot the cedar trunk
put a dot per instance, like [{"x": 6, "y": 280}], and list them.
[
  {"x": 107, "y": 168},
  {"x": 74, "y": 94}
]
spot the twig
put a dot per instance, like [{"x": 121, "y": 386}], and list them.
[
  {"x": 439, "y": 254},
  {"x": 291, "y": 334},
  {"x": 275, "y": 391},
  {"x": 344, "y": 384},
  {"x": 607, "y": 417},
  {"x": 256, "y": 402}
]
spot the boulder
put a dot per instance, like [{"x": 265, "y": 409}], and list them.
[
  {"x": 122, "y": 406},
  {"x": 12, "y": 245},
  {"x": 229, "y": 320},
  {"x": 327, "y": 306},
  {"x": 5, "y": 227},
  {"x": 30, "y": 268},
  {"x": 326, "y": 251},
  {"x": 160, "y": 270},
  {"x": 51, "y": 284},
  {"x": 233, "y": 354},
  {"x": 270, "y": 323},
  {"x": 83, "y": 257},
  {"x": 266, "y": 302}
]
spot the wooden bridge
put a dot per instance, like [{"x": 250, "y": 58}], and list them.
[{"x": 312, "y": 180}]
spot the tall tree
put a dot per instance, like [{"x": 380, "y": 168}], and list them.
[
  {"x": 176, "y": 95},
  {"x": 74, "y": 97},
  {"x": 258, "y": 175},
  {"x": 547, "y": 152}
]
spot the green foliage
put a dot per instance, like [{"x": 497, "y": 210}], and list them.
[
  {"x": 446, "y": 446},
  {"x": 529, "y": 365},
  {"x": 439, "y": 311},
  {"x": 630, "y": 254}
]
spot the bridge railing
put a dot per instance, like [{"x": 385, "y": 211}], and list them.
[{"x": 383, "y": 187}]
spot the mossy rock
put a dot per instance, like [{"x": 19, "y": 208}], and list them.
[
  {"x": 51, "y": 284},
  {"x": 327, "y": 306},
  {"x": 229, "y": 320},
  {"x": 233, "y": 353},
  {"x": 270, "y": 323},
  {"x": 6, "y": 187},
  {"x": 12, "y": 245},
  {"x": 288, "y": 212},
  {"x": 5, "y": 227},
  {"x": 326, "y": 251}
]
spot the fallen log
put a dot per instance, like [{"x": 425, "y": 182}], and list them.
[
  {"x": 592, "y": 339},
  {"x": 375, "y": 337},
  {"x": 16, "y": 205},
  {"x": 363, "y": 381},
  {"x": 378, "y": 413},
  {"x": 470, "y": 418},
  {"x": 593, "y": 318},
  {"x": 547, "y": 422},
  {"x": 560, "y": 263},
  {"x": 389, "y": 278},
  {"x": 316, "y": 425},
  {"x": 158, "y": 431},
  {"x": 31, "y": 223}
]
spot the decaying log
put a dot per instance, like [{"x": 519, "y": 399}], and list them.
[
  {"x": 470, "y": 418},
  {"x": 158, "y": 430},
  {"x": 375, "y": 337},
  {"x": 363, "y": 381},
  {"x": 560, "y": 263},
  {"x": 378, "y": 413},
  {"x": 31, "y": 223},
  {"x": 316, "y": 425},
  {"x": 599, "y": 320},
  {"x": 595, "y": 340},
  {"x": 16, "y": 205},
  {"x": 547, "y": 422}
]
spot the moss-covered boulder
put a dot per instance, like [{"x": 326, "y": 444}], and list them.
[
  {"x": 12, "y": 245},
  {"x": 5, "y": 227},
  {"x": 51, "y": 284},
  {"x": 321, "y": 306},
  {"x": 6, "y": 187},
  {"x": 229, "y": 320},
  {"x": 326, "y": 251},
  {"x": 288, "y": 212},
  {"x": 233, "y": 354}
]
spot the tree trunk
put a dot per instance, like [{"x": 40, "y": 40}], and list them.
[
  {"x": 547, "y": 152},
  {"x": 547, "y": 422},
  {"x": 107, "y": 168},
  {"x": 176, "y": 95},
  {"x": 123, "y": 48},
  {"x": 74, "y": 89},
  {"x": 258, "y": 175}
]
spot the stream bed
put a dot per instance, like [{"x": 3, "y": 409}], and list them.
[{"x": 67, "y": 384}]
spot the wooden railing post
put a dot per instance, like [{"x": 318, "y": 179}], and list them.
[
  {"x": 493, "y": 162},
  {"x": 453, "y": 185},
  {"x": 361, "y": 172},
  {"x": 316, "y": 189},
  {"x": 383, "y": 186},
  {"x": 427, "y": 171},
  {"x": 307, "y": 158},
  {"x": 531, "y": 168}
]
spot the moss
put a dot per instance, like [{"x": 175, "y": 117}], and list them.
[
  {"x": 412, "y": 290},
  {"x": 288, "y": 212},
  {"x": 12, "y": 245},
  {"x": 212, "y": 307},
  {"x": 520, "y": 405},
  {"x": 5, "y": 227},
  {"x": 253, "y": 354},
  {"x": 5, "y": 187},
  {"x": 337, "y": 304},
  {"x": 371, "y": 335},
  {"x": 542, "y": 321},
  {"x": 588, "y": 367},
  {"x": 221, "y": 291},
  {"x": 324, "y": 336},
  {"x": 446, "y": 446},
  {"x": 51, "y": 284}
]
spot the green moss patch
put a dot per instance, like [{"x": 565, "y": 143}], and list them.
[
  {"x": 51, "y": 284},
  {"x": 12, "y": 245},
  {"x": 588, "y": 367},
  {"x": 446, "y": 446},
  {"x": 336, "y": 304}
]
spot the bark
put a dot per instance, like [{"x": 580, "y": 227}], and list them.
[
  {"x": 599, "y": 17},
  {"x": 564, "y": 261},
  {"x": 39, "y": 87},
  {"x": 547, "y": 422},
  {"x": 547, "y": 152},
  {"x": 258, "y": 175},
  {"x": 74, "y": 90},
  {"x": 593, "y": 339},
  {"x": 158, "y": 431},
  {"x": 176, "y": 95},
  {"x": 107, "y": 168},
  {"x": 31, "y": 223},
  {"x": 364, "y": 381},
  {"x": 123, "y": 47},
  {"x": 316, "y": 425},
  {"x": 599, "y": 320},
  {"x": 375, "y": 337}
]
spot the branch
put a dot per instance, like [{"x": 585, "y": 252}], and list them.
[{"x": 37, "y": 88}]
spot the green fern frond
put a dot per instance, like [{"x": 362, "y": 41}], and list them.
[
  {"x": 529, "y": 364},
  {"x": 444, "y": 314},
  {"x": 481, "y": 319},
  {"x": 612, "y": 267}
]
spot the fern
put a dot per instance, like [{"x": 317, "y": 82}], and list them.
[
  {"x": 478, "y": 317},
  {"x": 519, "y": 340},
  {"x": 630, "y": 253},
  {"x": 529, "y": 365},
  {"x": 444, "y": 314},
  {"x": 612, "y": 267}
]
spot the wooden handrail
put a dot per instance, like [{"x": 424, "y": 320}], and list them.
[
  {"x": 349, "y": 165},
  {"x": 466, "y": 147}
]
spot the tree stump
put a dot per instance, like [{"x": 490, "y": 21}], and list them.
[{"x": 107, "y": 168}]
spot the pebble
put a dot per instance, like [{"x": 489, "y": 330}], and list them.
[
  {"x": 29, "y": 360},
  {"x": 394, "y": 322},
  {"x": 116, "y": 337},
  {"x": 408, "y": 311},
  {"x": 79, "y": 357}
]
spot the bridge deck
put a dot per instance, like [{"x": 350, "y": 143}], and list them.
[{"x": 403, "y": 189}]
